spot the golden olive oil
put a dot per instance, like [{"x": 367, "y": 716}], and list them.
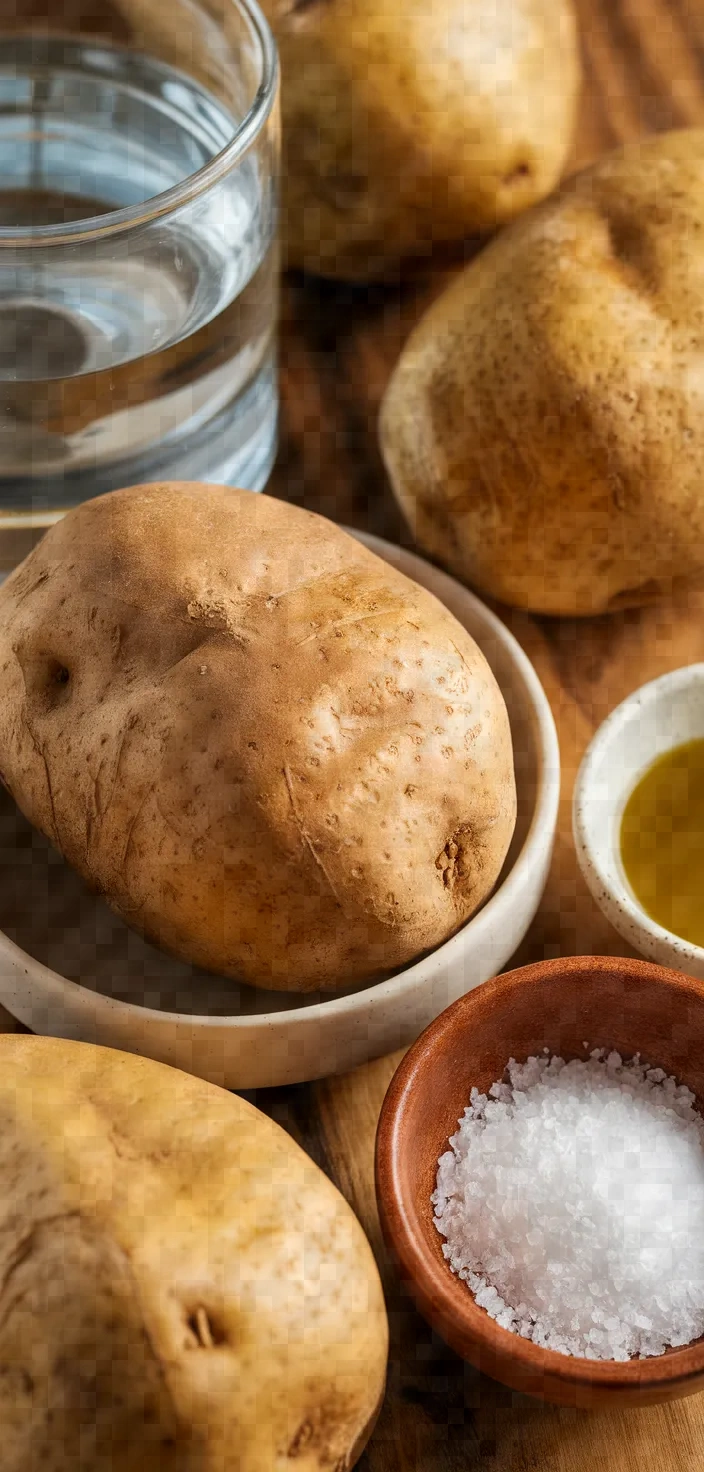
[{"x": 662, "y": 841}]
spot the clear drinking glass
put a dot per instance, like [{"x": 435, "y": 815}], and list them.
[{"x": 139, "y": 147}]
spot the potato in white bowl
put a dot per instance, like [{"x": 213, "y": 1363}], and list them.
[{"x": 274, "y": 755}]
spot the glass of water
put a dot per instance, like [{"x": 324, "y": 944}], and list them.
[{"x": 138, "y": 265}]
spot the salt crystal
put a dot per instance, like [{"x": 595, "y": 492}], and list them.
[{"x": 572, "y": 1204}]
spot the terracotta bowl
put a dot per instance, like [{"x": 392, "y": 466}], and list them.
[{"x": 629, "y": 1005}]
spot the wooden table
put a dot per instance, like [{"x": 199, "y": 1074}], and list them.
[{"x": 644, "y": 72}]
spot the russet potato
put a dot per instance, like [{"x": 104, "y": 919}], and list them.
[
  {"x": 181, "y": 1288},
  {"x": 543, "y": 429},
  {"x": 412, "y": 122},
  {"x": 273, "y": 754}
]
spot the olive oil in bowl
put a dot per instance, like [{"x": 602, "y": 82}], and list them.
[{"x": 662, "y": 841}]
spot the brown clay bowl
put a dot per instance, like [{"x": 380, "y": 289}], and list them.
[{"x": 629, "y": 1005}]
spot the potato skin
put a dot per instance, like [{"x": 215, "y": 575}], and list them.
[
  {"x": 181, "y": 1289},
  {"x": 408, "y": 123},
  {"x": 543, "y": 428},
  {"x": 272, "y": 753}
]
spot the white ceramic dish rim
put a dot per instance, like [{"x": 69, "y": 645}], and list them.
[
  {"x": 621, "y": 895},
  {"x": 378, "y": 994}
]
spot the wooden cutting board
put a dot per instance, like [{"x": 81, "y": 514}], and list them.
[{"x": 644, "y": 72}]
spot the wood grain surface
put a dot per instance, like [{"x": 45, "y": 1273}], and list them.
[{"x": 644, "y": 72}]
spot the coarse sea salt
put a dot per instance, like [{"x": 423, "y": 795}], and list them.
[{"x": 572, "y": 1204}]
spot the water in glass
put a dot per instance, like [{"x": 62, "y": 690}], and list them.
[{"x": 142, "y": 352}]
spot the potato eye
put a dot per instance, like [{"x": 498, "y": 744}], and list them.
[
  {"x": 205, "y": 1329},
  {"x": 517, "y": 174},
  {"x": 54, "y": 679}
]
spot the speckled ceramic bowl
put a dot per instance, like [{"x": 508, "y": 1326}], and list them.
[
  {"x": 658, "y": 716},
  {"x": 69, "y": 967}
]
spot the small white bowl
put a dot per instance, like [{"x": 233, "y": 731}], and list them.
[
  {"x": 70, "y": 968},
  {"x": 666, "y": 713}
]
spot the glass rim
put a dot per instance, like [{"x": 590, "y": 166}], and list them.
[{"x": 100, "y": 227}]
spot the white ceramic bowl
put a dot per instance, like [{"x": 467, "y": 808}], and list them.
[
  {"x": 70, "y": 968},
  {"x": 658, "y": 716}
]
